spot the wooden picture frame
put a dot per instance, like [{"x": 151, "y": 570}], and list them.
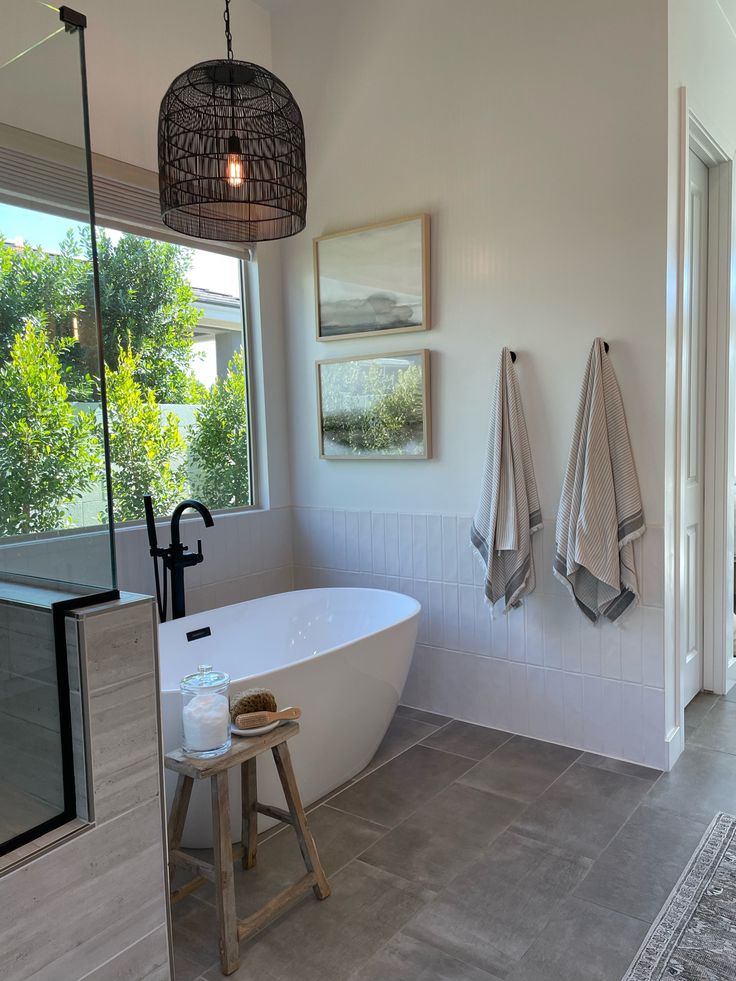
[
  {"x": 374, "y": 279},
  {"x": 380, "y": 440}
]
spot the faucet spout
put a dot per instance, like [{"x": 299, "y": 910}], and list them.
[{"x": 180, "y": 509}]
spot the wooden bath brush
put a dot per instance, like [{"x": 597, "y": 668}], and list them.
[
  {"x": 252, "y": 700},
  {"x": 256, "y": 720}
]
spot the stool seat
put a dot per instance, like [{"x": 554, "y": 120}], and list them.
[{"x": 243, "y": 753}]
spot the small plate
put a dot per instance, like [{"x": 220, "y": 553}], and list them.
[{"x": 261, "y": 731}]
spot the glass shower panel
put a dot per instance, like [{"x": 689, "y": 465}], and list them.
[
  {"x": 54, "y": 477},
  {"x": 56, "y": 544}
]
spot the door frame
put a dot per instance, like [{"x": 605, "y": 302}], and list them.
[{"x": 719, "y": 669}]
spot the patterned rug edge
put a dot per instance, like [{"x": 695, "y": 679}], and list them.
[{"x": 682, "y": 901}]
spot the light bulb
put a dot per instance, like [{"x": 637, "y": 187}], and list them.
[{"x": 235, "y": 166}]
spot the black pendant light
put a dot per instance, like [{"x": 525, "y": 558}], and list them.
[{"x": 231, "y": 156}]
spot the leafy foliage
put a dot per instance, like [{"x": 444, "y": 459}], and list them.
[
  {"x": 218, "y": 441},
  {"x": 146, "y": 448},
  {"x": 50, "y": 454},
  {"x": 373, "y": 410},
  {"x": 147, "y": 305}
]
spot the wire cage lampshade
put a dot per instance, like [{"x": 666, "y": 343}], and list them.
[{"x": 232, "y": 162}]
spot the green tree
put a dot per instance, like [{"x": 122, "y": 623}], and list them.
[
  {"x": 146, "y": 448},
  {"x": 147, "y": 305},
  {"x": 49, "y": 453},
  {"x": 218, "y": 441}
]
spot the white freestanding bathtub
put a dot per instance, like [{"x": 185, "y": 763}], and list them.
[{"x": 342, "y": 655}]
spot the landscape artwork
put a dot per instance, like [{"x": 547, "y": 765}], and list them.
[
  {"x": 375, "y": 407},
  {"x": 373, "y": 280}
]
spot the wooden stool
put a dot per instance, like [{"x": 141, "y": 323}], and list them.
[{"x": 243, "y": 752}]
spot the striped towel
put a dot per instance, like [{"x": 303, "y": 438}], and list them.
[
  {"x": 600, "y": 511},
  {"x": 508, "y": 513}
]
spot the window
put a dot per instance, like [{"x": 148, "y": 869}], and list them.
[{"x": 175, "y": 370}]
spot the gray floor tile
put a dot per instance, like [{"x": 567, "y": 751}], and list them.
[
  {"x": 492, "y": 915},
  {"x": 316, "y": 941},
  {"x": 400, "y": 735},
  {"x": 699, "y": 785},
  {"x": 582, "y": 942},
  {"x": 439, "y": 840},
  {"x": 397, "y": 789},
  {"x": 639, "y": 869},
  {"x": 410, "y": 960},
  {"x": 620, "y": 766},
  {"x": 340, "y": 837},
  {"x": 583, "y": 810},
  {"x": 731, "y": 695},
  {"x": 699, "y": 707},
  {"x": 522, "y": 768},
  {"x": 466, "y": 739},
  {"x": 421, "y": 716},
  {"x": 194, "y": 927},
  {"x": 718, "y": 728}
]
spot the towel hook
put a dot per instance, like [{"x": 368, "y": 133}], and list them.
[
  {"x": 513, "y": 355},
  {"x": 605, "y": 345}
]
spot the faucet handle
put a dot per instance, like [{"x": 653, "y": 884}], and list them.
[{"x": 200, "y": 557}]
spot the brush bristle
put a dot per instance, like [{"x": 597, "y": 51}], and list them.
[{"x": 252, "y": 700}]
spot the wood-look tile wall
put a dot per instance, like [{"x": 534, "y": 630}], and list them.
[{"x": 94, "y": 907}]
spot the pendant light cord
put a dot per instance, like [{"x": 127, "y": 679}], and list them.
[{"x": 228, "y": 33}]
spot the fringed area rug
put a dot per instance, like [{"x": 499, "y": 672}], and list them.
[{"x": 694, "y": 936}]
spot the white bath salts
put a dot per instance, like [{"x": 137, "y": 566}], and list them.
[{"x": 206, "y": 722}]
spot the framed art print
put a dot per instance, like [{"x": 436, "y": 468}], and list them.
[{"x": 373, "y": 280}]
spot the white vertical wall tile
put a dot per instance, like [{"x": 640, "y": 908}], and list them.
[
  {"x": 611, "y": 717},
  {"x": 449, "y": 548},
  {"x": 630, "y": 630},
  {"x": 534, "y": 630},
  {"x": 632, "y": 728},
  {"x": 392, "y": 544},
  {"x": 436, "y": 615},
  {"x": 554, "y": 695},
  {"x": 536, "y": 702},
  {"x": 652, "y": 647},
  {"x": 465, "y": 557},
  {"x": 451, "y": 618},
  {"x": 406, "y": 538},
  {"x": 419, "y": 545},
  {"x": 339, "y": 528},
  {"x": 552, "y": 633},
  {"x": 352, "y": 543},
  {"x": 365, "y": 541},
  {"x": 590, "y": 645},
  {"x": 434, "y": 547},
  {"x": 379, "y": 543},
  {"x": 466, "y": 618},
  {"x": 518, "y": 696},
  {"x": 610, "y": 651},
  {"x": 570, "y": 627},
  {"x": 516, "y": 632},
  {"x": 593, "y": 725},
  {"x": 499, "y": 624},
  {"x": 652, "y": 714},
  {"x": 326, "y": 550},
  {"x": 482, "y": 640},
  {"x": 573, "y": 700},
  {"x": 494, "y": 689},
  {"x": 420, "y": 592}
]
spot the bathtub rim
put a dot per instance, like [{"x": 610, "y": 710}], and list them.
[{"x": 318, "y": 654}]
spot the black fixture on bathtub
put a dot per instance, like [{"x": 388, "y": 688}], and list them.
[{"x": 174, "y": 557}]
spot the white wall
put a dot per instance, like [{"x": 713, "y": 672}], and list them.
[{"x": 536, "y": 136}]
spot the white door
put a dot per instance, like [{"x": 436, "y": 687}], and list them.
[{"x": 693, "y": 436}]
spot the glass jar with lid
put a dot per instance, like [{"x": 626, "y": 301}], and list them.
[{"x": 206, "y": 712}]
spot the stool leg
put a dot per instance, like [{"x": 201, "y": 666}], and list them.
[
  {"x": 282, "y": 757},
  {"x": 249, "y": 800},
  {"x": 224, "y": 873},
  {"x": 178, "y": 816}
]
